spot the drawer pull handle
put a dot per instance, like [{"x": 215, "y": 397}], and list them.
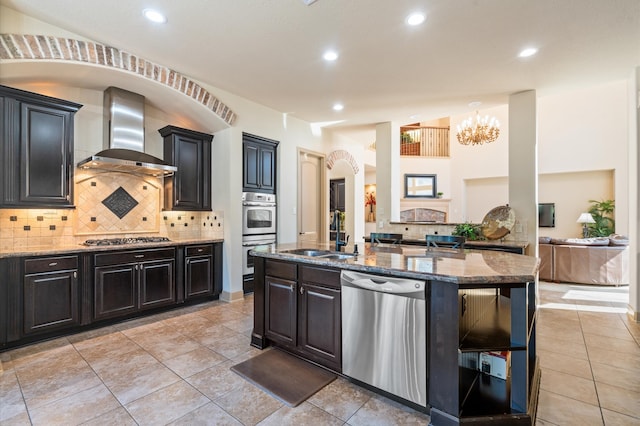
[
  {"x": 139, "y": 256},
  {"x": 53, "y": 263},
  {"x": 200, "y": 250}
]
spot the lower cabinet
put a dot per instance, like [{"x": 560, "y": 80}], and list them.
[
  {"x": 302, "y": 311},
  {"x": 45, "y": 296},
  {"x": 202, "y": 270},
  {"x": 129, "y": 281},
  {"x": 50, "y": 294}
]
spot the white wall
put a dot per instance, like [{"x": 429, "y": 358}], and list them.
[
  {"x": 587, "y": 130},
  {"x": 571, "y": 192}
]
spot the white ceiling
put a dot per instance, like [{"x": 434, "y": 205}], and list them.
[{"x": 270, "y": 51}]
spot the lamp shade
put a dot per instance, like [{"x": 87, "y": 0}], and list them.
[{"x": 585, "y": 218}]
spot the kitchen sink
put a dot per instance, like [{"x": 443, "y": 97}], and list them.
[
  {"x": 338, "y": 256},
  {"x": 324, "y": 254}
]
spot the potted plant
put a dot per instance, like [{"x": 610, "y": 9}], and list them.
[
  {"x": 468, "y": 230},
  {"x": 439, "y": 195},
  {"x": 602, "y": 213}
]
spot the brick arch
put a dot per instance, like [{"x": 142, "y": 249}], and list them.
[
  {"x": 41, "y": 47},
  {"x": 341, "y": 154}
]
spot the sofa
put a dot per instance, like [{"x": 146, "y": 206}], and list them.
[{"x": 599, "y": 261}]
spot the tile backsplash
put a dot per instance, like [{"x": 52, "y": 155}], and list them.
[{"x": 92, "y": 219}]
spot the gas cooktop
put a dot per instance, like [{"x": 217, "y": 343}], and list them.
[{"x": 123, "y": 241}]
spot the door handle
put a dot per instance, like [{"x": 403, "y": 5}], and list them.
[{"x": 301, "y": 290}]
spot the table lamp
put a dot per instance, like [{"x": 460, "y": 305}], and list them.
[{"x": 584, "y": 219}]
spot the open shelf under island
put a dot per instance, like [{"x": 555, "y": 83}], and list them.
[{"x": 477, "y": 302}]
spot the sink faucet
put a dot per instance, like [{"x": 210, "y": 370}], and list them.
[{"x": 336, "y": 226}]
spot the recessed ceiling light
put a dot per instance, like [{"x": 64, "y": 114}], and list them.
[
  {"x": 530, "y": 51},
  {"x": 154, "y": 16},
  {"x": 330, "y": 55},
  {"x": 415, "y": 19},
  {"x": 338, "y": 107}
]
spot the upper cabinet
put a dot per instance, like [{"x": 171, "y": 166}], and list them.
[
  {"x": 190, "y": 187},
  {"x": 36, "y": 152},
  {"x": 259, "y": 164}
]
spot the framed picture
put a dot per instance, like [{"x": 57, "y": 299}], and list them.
[{"x": 419, "y": 186}]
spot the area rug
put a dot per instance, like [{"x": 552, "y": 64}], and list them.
[{"x": 285, "y": 377}]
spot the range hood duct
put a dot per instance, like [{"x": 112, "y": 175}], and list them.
[{"x": 123, "y": 138}]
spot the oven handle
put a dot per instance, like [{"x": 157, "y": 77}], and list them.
[
  {"x": 257, "y": 204},
  {"x": 257, "y": 243}
]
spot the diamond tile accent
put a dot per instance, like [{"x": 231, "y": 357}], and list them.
[{"x": 120, "y": 202}]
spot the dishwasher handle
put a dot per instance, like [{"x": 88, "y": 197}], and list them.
[{"x": 399, "y": 286}]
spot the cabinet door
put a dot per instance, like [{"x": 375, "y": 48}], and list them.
[
  {"x": 267, "y": 156},
  {"x": 198, "y": 276},
  {"x": 46, "y": 155},
  {"x": 50, "y": 301},
  {"x": 319, "y": 326},
  {"x": 157, "y": 285},
  {"x": 281, "y": 310},
  {"x": 115, "y": 290},
  {"x": 251, "y": 167},
  {"x": 259, "y": 165},
  {"x": 190, "y": 151}
]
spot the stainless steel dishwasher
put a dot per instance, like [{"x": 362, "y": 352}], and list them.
[{"x": 384, "y": 334}]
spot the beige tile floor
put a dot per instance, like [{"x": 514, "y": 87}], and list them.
[{"x": 173, "y": 368}]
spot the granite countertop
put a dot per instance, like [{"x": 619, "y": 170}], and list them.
[
  {"x": 80, "y": 248},
  {"x": 466, "y": 266}
]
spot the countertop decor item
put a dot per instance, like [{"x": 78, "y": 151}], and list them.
[{"x": 498, "y": 222}]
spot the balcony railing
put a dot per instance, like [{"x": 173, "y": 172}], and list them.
[{"x": 424, "y": 141}]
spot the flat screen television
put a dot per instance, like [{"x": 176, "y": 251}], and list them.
[{"x": 547, "y": 215}]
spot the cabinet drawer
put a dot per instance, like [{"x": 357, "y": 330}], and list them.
[
  {"x": 133, "y": 256},
  {"x": 324, "y": 276},
  {"x": 47, "y": 264},
  {"x": 279, "y": 269},
  {"x": 199, "y": 250}
]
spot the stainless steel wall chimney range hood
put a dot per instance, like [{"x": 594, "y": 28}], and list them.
[{"x": 123, "y": 138}]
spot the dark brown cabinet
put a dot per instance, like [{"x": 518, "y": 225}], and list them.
[
  {"x": 319, "y": 315},
  {"x": 468, "y": 321},
  {"x": 129, "y": 281},
  {"x": 37, "y": 153},
  {"x": 259, "y": 164},
  {"x": 50, "y": 294},
  {"x": 281, "y": 311},
  {"x": 45, "y": 296},
  {"x": 190, "y": 151},
  {"x": 302, "y": 311},
  {"x": 202, "y": 270}
]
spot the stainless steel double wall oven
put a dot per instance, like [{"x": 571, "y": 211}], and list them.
[{"x": 259, "y": 215}]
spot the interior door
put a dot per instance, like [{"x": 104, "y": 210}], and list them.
[{"x": 310, "y": 176}]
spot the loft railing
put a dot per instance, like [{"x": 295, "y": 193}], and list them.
[{"x": 424, "y": 141}]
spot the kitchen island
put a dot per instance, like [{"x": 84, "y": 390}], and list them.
[{"x": 477, "y": 302}]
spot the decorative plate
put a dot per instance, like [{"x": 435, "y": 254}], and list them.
[{"x": 498, "y": 222}]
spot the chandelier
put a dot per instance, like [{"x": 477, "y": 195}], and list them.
[{"x": 478, "y": 132}]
